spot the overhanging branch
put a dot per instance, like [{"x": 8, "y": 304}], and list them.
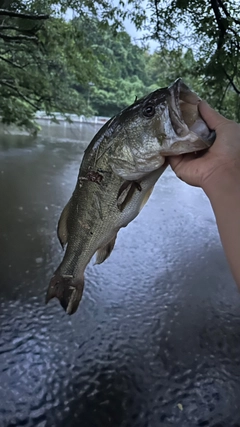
[
  {"x": 15, "y": 89},
  {"x": 11, "y": 27},
  {"x": 231, "y": 81},
  {"x": 223, "y": 96},
  {"x": 221, "y": 26},
  {"x": 13, "y": 63},
  {"x": 4, "y": 12},
  {"x": 237, "y": 21},
  {"x": 18, "y": 38},
  {"x": 160, "y": 29}
]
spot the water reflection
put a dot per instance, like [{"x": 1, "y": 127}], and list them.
[{"x": 158, "y": 325}]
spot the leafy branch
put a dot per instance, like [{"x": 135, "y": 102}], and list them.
[
  {"x": 18, "y": 38},
  {"x": 13, "y": 14},
  {"x": 13, "y": 64},
  {"x": 20, "y": 94}
]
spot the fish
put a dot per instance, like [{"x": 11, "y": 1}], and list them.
[{"x": 117, "y": 175}]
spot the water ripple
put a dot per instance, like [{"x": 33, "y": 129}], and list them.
[{"x": 156, "y": 340}]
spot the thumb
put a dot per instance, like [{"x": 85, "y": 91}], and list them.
[{"x": 211, "y": 117}]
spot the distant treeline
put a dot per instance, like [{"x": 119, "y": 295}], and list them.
[{"x": 86, "y": 66}]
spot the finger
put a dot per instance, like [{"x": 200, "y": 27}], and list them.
[
  {"x": 211, "y": 117},
  {"x": 174, "y": 161},
  {"x": 188, "y": 169},
  {"x": 177, "y": 162}
]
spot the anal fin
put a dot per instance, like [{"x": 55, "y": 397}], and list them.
[
  {"x": 62, "y": 229},
  {"x": 104, "y": 252}
]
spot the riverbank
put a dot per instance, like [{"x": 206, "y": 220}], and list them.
[{"x": 74, "y": 118}]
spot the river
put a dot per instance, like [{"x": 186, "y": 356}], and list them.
[{"x": 156, "y": 339}]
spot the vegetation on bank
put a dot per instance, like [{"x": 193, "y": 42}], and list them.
[{"x": 88, "y": 64}]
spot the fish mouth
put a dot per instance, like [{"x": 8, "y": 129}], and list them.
[{"x": 185, "y": 116}]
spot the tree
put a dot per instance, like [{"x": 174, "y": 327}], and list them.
[
  {"x": 212, "y": 30},
  {"x": 40, "y": 59},
  {"x": 120, "y": 68},
  {"x": 47, "y": 62}
]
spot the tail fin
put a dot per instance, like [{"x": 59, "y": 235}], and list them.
[{"x": 67, "y": 289}]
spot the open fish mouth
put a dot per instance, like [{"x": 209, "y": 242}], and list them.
[{"x": 185, "y": 117}]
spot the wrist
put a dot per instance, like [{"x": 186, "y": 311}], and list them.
[
  {"x": 223, "y": 191},
  {"x": 223, "y": 183}
]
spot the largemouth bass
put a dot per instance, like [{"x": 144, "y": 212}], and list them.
[{"x": 118, "y": 172}]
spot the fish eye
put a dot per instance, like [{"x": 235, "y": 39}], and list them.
[{"x": 149, "y": 110}]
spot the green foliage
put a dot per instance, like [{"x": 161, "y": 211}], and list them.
[
  {"x": 120, "y": 70},
  {"x": 212, "y": 30},
  {"x": 88, "y": 66},
  {"x": 39, "y": 64}
]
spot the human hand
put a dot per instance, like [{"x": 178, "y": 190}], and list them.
[{"x": 210, "y": 167}]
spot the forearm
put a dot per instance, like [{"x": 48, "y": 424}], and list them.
[{"x": 224, "y": 195}]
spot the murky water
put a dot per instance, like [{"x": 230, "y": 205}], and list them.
[{"x": 156, "y": 339}]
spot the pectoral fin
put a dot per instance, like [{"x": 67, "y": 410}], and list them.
[
  {"x": 126, "y": 192},
  {"x": 103, "y": 253},
  {"x": 62, "y": 230}
]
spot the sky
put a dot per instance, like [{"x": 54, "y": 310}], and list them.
[
  {"x": 137, "y": 35},
  {"x": 130, "y": 28}
]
